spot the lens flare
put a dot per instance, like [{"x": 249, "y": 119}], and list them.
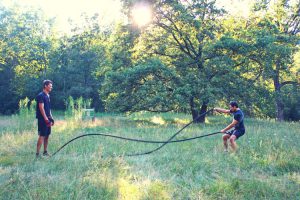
[{"x": 141, "y": 14}]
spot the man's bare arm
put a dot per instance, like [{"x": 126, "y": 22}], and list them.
[
  {"x": 221, "y": 110},
  {"x": 41, "y": 107},
  {"x": 233, "y": 123}
]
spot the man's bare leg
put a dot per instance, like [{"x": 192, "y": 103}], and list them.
[
  {"x": 39, "y": 144},
  {"x": 225, "y": 138},
  {"x": 46, "y": 143},
  {"x": 233, "y": 143}
]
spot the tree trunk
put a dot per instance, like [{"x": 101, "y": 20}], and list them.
[
  {"x": 203, "y": 110},
  {"x": 279, "y": 109},
  {"x": 195, "y": 113},
  {"x": 278, "y": 97}
]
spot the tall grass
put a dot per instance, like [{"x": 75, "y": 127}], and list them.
[
  {"x": 266, "y": 166},
  {"x": 25, "y": 118},
  {"x": 75, "y": 108}
]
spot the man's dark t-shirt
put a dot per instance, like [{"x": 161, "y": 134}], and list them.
[
  {"x": 45, "y": 99},
  {"x": 239, "y": 116}
]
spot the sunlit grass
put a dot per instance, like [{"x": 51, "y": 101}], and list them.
[{"x": 266, "y": 165}]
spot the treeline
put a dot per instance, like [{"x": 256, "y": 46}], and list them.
[{"x": 192, "y": 56}]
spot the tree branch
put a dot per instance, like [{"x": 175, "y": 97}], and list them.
[
  {"x": 166, "y": 55},
  {"x": 185, "y": 39},
  {"x": 180, "y": 45},
  {"x": 156, "y": 111},
  {"x": 288, "y": 83}
]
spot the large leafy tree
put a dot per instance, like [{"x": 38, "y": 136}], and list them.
[
  {"x": 115, "y": 62},
  {"x": 266, "y": 42},
  {"x": 74, "y": 62},
  {"x": 181, "y": 36},
  {"x": 279, "y": 35},
  {"x": 24, "y": 48}
]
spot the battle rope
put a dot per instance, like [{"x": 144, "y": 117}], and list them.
[
  {"x": 144, "y": 141},
  {"x": 173, "y": 136},
  {"x": 133, "y": 139}
]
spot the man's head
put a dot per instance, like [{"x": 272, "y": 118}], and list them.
[
  {"x": 233, "y": 106},
  {"x": 47, "y": 86}
]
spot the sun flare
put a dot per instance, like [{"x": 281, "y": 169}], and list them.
[{"x": 142, "y": 14}]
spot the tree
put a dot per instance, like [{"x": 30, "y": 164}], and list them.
[
  {"x": 24, "y": 52},
  {"x": 74, "y": 63},
  {"x": 280, "y": 28},
  {"x": 265, "y": 42},
  {"x": 116, "y": 60},
  {"x": 181, "y": 36}
]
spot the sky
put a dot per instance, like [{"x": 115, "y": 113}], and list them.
[
  {"x": 236, "y": 7},
  {"x": 109, "y": 10},
  {"x": 63, "y": 10}
]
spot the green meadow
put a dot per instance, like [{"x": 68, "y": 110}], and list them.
[{"x": 266, "y": 166}]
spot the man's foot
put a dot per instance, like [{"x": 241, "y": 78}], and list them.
[
  {"x": 225, "y": 150},
  {"x": 37, "y": 156},
  {"x": 46, "y": 153}
]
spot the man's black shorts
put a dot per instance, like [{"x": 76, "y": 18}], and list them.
[
  {"x": 43, "y": 130},
  {"x": 237, "y": 133}
]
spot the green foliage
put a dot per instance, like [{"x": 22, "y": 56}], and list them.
[
  {"x": 24, "y": 49},
  {"x": 75, "y": 108},
  {"x": 291, "y": 98},
  {"x": 180, "y": 39},
  {"x": 148, "y": 86},
  {"x": 77, "y": 57},
  {"x": 24, "y": 120},
  {"x": 266, "y": 47},
  {"x": 192, "y": 56},
  {"x": 23, "y": 107}
]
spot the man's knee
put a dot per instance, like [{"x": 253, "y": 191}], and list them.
[
  {"x": 225, "y": 137},
  {"x": 41, "y": 137},
  {"x": 232, "y": 139}
]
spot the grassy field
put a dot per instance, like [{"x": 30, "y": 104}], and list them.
[{"x": 266, "y": 166}]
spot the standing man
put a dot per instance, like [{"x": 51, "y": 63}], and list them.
[
  {"x": 44, "y": 116},
  {"x": 237, "y": 123}
]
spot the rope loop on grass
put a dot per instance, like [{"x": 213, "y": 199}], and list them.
[{"x": 163, "y": 143}]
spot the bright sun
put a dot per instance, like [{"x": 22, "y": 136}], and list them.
[{"x": 141, "y": 14}]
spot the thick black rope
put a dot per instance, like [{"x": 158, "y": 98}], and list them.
[
  {"x": 169, "y": 140},
  {"x": 144, "y": 141},
  {"x": 133, "y": 139}
]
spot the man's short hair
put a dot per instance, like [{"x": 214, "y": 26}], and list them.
[
  {"x": 46, "y": 83},
  {"x": 233, "y": 103}
]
